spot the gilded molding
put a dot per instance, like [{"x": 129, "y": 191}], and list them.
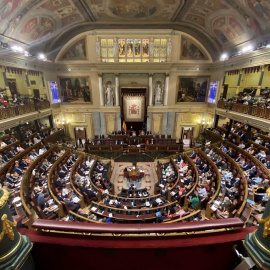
[
  {"x": 266, "y": 222},
  {"x": 7, "y": 228},
  {"x": 4, "y": 197}
]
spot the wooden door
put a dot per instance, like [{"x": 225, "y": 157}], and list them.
[
  {"x": 36, "y": 93},
  {"x": 225, "y": 90},
  {"x": 12, "y": 86}
]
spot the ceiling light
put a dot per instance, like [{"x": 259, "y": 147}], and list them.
[
  {"x": 16, "y": 48},
  {"x": 42, "y": 56},
  {"x": 224, "y": 57}
]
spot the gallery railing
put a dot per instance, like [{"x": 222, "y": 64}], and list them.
[
  {"x": 256, "y": 111},
  {"x": 23, "y": 109}
]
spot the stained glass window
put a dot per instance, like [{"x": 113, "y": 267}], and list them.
[
  {"x": 107, "y": 50},
  {"x": 134, "y": 50}
]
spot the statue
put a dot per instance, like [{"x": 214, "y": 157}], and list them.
[
  {"x": 98, "y": 47},
  {"x": 109, "y": 94},
  {"x": 158, "y": 93},
  {"x": 115, "y": 47},
  {"x": 169, "y": 47}
]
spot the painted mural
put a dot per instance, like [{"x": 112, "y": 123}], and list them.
[
  {"x": 75, "y": 89},
  {"x": 190, "y": 51},
  {"x": 13, "y": 21},
  {"x": 55, "y": 14},
  {"x": 243, "y": 9},
  {"x": 192, "y": 89},
  {"x": 134, "y": 10},
  {"x": 227, "y": 28},
  {"x": 202, "y": 10},
  {"x": 7, "y": 7},
  {"x": 260, "y": 8},
  {"x": 76, "y": 51},
  {"x": 38, "y": 27}
]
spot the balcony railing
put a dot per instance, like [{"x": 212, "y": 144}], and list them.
[
  {"x": 256, "y": 111},
  {"x": 23, "y": 109}
]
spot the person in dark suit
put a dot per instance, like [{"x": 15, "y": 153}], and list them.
[
  {"x": 91, "y": 194},
  {"x": 5, "y": 158},
  {"x": 23, "y": 164},
  {"x": 74, "y": 158},
  {"x": 134, "y": 142},
  {"x": 84, "y": 166},
  {"x": 18, "y": 170},
  {"x": 81, "y": 172},
  {"x": 58, "y": 183},
  {"x": 247, "y": 166},
  {"x": 193, "y": 155},
  {"x": 62, "y": 174},
  {"x": 9, "y": 178},
  {"x": 64, "y": 168},
  {"x": 70, "y": 204}
]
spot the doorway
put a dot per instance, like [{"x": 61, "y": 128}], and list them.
[
  {"x": 80, "y": 136},
  {"x": 186, "y": 136},
  {"x": 225, "y": 91},
  {"x": 12, "y": 86},
  {"x": 36, "y": 93}
]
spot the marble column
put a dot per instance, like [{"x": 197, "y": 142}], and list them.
[
  {"x": 150, "y": 89},
  {"x": 166, "y": 90},
  {"x": 100, "y": 90},
  {"x": 116, "y": 89}
]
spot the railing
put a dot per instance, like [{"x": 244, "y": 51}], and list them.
[
  {"x": 256, "y": 111},
  {"x": 113, "y": 230},
  {"x": 23, "y": 109}
]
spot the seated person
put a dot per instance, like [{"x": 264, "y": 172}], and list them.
[
  {"x": 70, "y": 204},
  {"x": 194, "y": 201}
]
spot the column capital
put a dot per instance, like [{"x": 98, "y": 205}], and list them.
[
  {"x": 99, "y": 74},
  {"x": 150, "y": 74},
  {"x": 116, "y": 74}
]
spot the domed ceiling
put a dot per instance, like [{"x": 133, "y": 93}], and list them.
[{"x": 218, "y": 24}]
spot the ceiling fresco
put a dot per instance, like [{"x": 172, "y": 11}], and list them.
[{"x": 216, "y": 24}]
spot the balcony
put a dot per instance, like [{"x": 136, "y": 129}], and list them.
[{"x": 14, "y": 111}]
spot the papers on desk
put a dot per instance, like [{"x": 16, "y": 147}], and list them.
[
  {"x": 18, "y": 204},
  {"x": 173, "y": 193},
  {"x": 75, "y": 199},
  {"x": 158, "y": 200},
  {"x": 147, "y": 203},
  {"x": 110, "y": 215},
  {"x": 125, "y": 207},
  {"x": 16, "y": 199},
  {"x": 215, "y": 205},
  {"x": 50, "y": 201},
  {"x": 100, "y": 212},
  {"x": 145, "y": 194},
  {"x": 53, "y": 207},
  {"x": 162, "y": 186},
  {"x": 94, "y": 209}
]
